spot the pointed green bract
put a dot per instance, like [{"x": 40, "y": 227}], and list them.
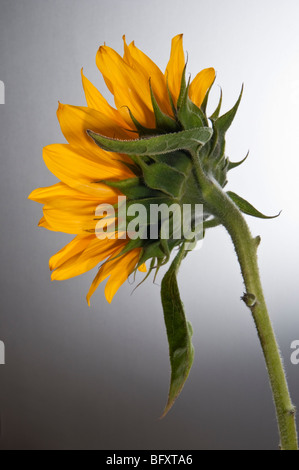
[
  {"x": 151, "y": 251},
  {"x": 224, "y": 122},
  {"x": 188, "y": 114},
  {"x": 163, "y": 122},
  {"x": 247, "y": 208},
  {"x": 220, "y": 126},
  {"x": 206, "y": 98},
  {"x": 216, "y": 113},
  {"x": 141, "y": 130},
  {"x": 179, "y": 331},
  {"x": 191, "y": 140},
  {"x": 232, "y": 165},
  {"x": 133, "y": 188},
  {"x": 182, "y": 88},
  {"x": 162, "y": 177},
  {"x": 178, "y": 159}
]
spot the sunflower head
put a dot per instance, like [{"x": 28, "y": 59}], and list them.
[{"x": 143, "y": 150}]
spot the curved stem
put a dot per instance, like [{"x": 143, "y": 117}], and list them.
[{"x": 223, "y": 208}]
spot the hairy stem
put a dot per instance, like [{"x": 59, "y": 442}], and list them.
[{"x": 223, "y": 208}]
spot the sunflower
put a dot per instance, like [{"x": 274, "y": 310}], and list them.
[{"x": 146, "y": 104}]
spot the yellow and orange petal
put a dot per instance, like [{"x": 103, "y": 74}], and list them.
[
  {"x": 200, "y": 85},
  {"x": 76, "y": 120},
  {"x": 118, "y": 270},
  {"x": 129, "y": 86},
  {"x": 151, "y": 72},
  {"x": 76, "y": 246},
  {"x": 96, "y": 101},
  {"x": 175, "y": 67},
  {"x": 77, "y": 169},
  {"x": 94, "y": 253}
]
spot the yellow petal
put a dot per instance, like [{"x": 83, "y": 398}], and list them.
[
  {"x": 52, "y": 195},
  {"x": 76, "y": 120},
  {"x": 200, "y": 85},
  {"x": 82, "y": 172},
  {"x": 80, "y": 222},
  {"x": 76, "y": 246},
  {"x": 175, "y": 67},
  {"x": 128, "y": 85},
  {"x": 142, "y": 268},
  {"x": 43, "y": 223},
  {"x": 141, "y": 62},
  {"x": 119, "y": 269},
  {"x": 96, "y": 101},
  {"x": 95, "y": 252}
]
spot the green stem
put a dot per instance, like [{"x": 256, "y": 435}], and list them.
[{"x": 223, "y": 208}]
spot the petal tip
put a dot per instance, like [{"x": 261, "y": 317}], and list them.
[{"x": 31, "y": 196}]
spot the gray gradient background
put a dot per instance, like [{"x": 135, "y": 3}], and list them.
[{"x": 80, "y": 378}]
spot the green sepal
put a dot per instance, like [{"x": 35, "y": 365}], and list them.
[
  {"x": 165, "y": 249},
  {"x": 147, "y": 202},
  {"x": 163, "y": 122},
  {"x": 177, "y": 159},
  {"x": 247, "y": 208},
  {"x": 220, "y": 127},
  {"x": 151, "y": 250},
  {"x": 142, "y": 131},
  {"x": 151, "y": 268},
  {"x": 179, "y": 331},
  {"x": 224, "y": 122},
  {"x": 134, "y": 168},
  {"x": 188, "y": 114},
  {"x": 216, "y": 113},
  {"x": 133, "y": 188},
  {"x": 206, "y": 98},
  {"x": 232, "y": 165},
  {"x": 183, "y": 88},
  {"x": 162, "y": 177},
  {"x": 192, "y": 140},
  {"x": 170, "y": 98},
  {"x": 131, "y": 245}
]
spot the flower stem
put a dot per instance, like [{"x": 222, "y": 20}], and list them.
[{"x": 224, "y": 209}]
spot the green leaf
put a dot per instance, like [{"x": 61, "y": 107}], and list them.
[
  {"x": 179, "y": 331},
  {"x": 192, "y": 140},
  {"x": 247, "y": 208}
]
